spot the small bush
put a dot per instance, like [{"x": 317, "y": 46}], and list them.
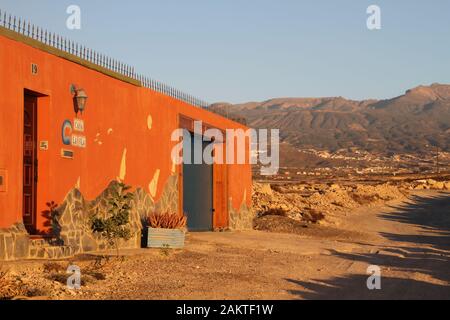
[
  {"x": 165, "y": 250},
  {"x": 97, "y": 275},
  {"x": 167, "y": 221},
  {"x": 51, "y": 267},
  {"x": 115, "y": 227},
  {"x": 313, "y": 216},
  {"x": 364, "y": 199},
  {"x": 276, "y": 188},
  {"x": 279, "y": 224},
  {"x": 275, "y": 212},
  {"x": 99, "y": 263}
]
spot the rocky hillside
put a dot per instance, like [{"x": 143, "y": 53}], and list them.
[{"x": 406, "y": 124}]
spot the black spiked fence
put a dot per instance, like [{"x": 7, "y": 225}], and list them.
[{"x": 29, "y": 30}]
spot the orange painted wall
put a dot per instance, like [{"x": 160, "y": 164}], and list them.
[{"x": 115, "y": 119}]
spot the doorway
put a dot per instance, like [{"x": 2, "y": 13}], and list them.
[
  {"x": 30, "y": 162},
  {"x": 197, "y": 188}
]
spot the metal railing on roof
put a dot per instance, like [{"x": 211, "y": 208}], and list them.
[{"x": 27, "y": 29}]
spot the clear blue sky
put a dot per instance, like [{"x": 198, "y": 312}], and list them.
[{"x": 253, "y": 50}]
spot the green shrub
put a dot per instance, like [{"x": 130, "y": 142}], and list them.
[{"x": 115, "y": 226}]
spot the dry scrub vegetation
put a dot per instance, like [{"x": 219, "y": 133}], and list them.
[
  {"x": 13, "y": 287},
  {"x": 49, "y": 279},
  {"x": 290, "y": 208}
]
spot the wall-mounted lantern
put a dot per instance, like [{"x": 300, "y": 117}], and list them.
[{"x": 79, "y": 98}]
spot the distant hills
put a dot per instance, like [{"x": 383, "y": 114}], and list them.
[{"x": 411, "y": 123}]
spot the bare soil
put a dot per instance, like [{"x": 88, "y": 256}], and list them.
[{"x": 409, "y": 239}]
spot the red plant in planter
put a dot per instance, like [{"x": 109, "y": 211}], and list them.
[{"x": 167, "y": 221}]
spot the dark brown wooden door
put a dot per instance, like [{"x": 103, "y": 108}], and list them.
[{"x": 29, "y": 163}]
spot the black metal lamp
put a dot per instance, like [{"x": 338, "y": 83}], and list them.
[{"x": 79, "y": 98}]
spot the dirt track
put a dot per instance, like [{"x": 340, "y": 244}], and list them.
[{"x": 409, "y": 241}]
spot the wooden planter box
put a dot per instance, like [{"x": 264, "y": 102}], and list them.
[{"x": 165, "y": 238}]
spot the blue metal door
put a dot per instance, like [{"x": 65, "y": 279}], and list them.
[{"x": 197, "y": 188}]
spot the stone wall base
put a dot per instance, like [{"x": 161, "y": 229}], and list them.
[
  {"x": 71, "y": 226},
  {"x": 241, "y": 219},
  {"x": 14, "y": 243},
  {"x": 72, "y": 234}
]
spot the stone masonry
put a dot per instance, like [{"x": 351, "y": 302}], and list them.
[
  {"x": 71, "y": 228},
  {"x": 241, "y": 219},
  {"x": 14, "y": 243},
  {"x": 75, "y": 214}
]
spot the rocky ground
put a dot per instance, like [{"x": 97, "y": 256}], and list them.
[
  {"x": 288, "y": 207},
  {"x": 322, "y": 239}
]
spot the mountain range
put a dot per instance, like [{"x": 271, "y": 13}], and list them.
[{"x": 411, "y": 123}]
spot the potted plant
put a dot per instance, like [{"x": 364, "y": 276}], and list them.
[{"x": 166, "y": 230}]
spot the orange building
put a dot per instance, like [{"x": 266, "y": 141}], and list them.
[{"x": 71, "y": 123}]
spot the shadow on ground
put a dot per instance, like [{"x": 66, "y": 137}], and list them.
[{"x": 421, "y": 258}]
